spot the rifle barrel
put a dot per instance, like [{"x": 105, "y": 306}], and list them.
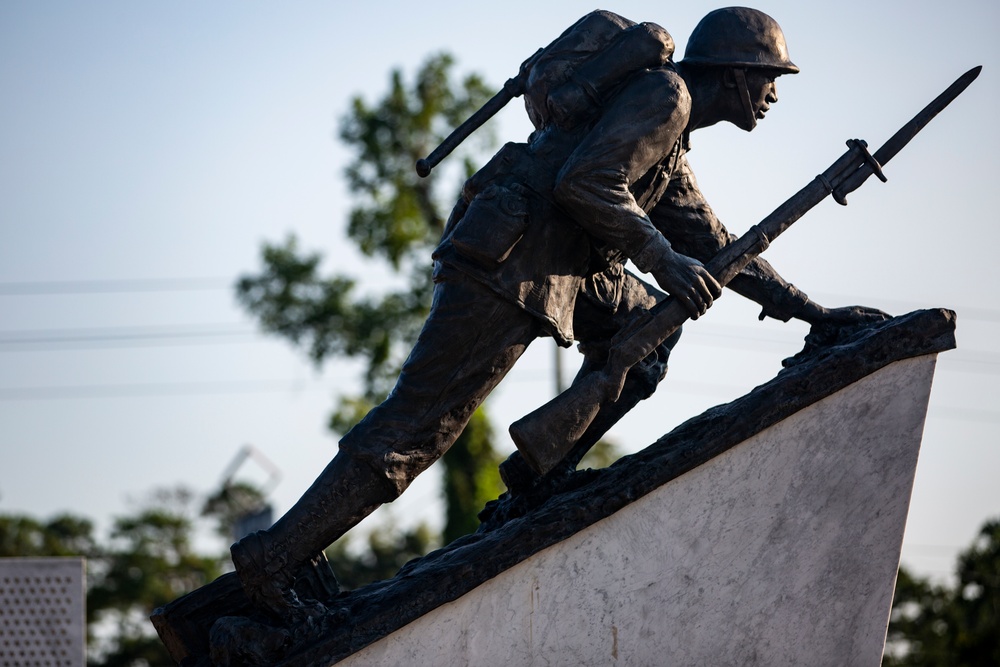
[{"x": 462, "y": 132}]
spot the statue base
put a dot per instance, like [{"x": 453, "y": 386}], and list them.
[{"x": 764, "y": 531}]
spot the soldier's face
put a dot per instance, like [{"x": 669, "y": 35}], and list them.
[
  {"x": 751, "y": 94},
  {"x": 763, "y": 92}
]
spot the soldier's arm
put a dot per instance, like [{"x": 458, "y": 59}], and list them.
[
  {"x": 685, "y": 218},
  {"x": 637, "y": 129}
]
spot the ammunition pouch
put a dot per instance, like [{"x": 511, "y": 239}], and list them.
[{"x": 492, "y": 225}]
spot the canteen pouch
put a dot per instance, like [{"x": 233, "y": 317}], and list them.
[{"x": 492, "y": 225}]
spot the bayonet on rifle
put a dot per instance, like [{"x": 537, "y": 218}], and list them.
[{"x": 547, "y": 435}]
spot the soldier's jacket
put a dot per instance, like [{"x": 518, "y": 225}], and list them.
[{"x": 548, "y": 220}]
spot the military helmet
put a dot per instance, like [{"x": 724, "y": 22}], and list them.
[{"x": 739, "y": 37}]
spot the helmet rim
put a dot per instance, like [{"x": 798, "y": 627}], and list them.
[{"x": 739, "y": 37}]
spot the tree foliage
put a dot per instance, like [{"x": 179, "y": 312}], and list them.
[
  {"x": 940, "y": 626},
  {"x": 471, "y": 479},
  {"x": 400, "y": 215},
  {"x": 65, "y": 535},
  {"x": 397, "y": 219},
  {"x": 232, "y": 503},
  {"x": 385, "y": 552},
  {"x": 147, "y": 561}
]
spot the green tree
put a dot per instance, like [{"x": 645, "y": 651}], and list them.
[
  {"x": 601, "y": 455},
  {"x": 397, "y": 219},
  {"x": 147, "y": 561},
  {"x": 385, "y": 551},
  {"x": 471, "y": 478},
  {"x": 232, "y": 502},
  {"x": 65, "y": 535},
  {"x": 978, "y": 599},
  {"x": 940, "y": 626}
]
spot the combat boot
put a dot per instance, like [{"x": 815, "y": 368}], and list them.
[{"x": 268, "y": 561}]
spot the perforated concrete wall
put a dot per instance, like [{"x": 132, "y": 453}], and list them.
[{"x": 42, "y": 612}]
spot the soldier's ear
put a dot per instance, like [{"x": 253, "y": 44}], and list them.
[{"x": 729, "y": 78}]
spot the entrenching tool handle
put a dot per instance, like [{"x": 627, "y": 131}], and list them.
[
  {"x": 514, "y": 87},
  {"x": 461, "y": 133}
]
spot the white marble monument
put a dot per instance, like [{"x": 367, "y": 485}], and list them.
[{"x": 780, "y": 551}]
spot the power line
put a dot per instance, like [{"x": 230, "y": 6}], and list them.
[
  {"x": 940, "y": 548},
  {"x": 965, "y": 414},
  {"x": 121, "y": 336},
  {"x": 673, "y": 386},
  {"x": 148, "y": 389},
  {"x": 724, "y": 390},
  {"x": 126, "y": 285},
  {"x": 732, "y": 337},
  {"x": 114, "y": 286},
  {"x": 984, "y": 363},
  {"x": 963, "y": 312},
  {"x": 155, "y": 389},
  {"x": 966, "y": 361}
]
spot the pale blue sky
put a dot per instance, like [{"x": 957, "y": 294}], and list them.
[{"x": 148, "y": 141}]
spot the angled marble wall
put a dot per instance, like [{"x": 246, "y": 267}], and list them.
[{"x": 781, "y": 551}]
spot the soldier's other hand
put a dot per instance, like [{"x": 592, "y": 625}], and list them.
[
  {"x": 687, "y": 280},
  {"x": 846, "y": 315},
  {"x": 833, "y": 326}
]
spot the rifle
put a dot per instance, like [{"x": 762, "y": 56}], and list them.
[
  {"x": 513, "y": 87},
  {"x": 547, "y": 435}
]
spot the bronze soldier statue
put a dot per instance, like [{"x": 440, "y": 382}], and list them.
[{"x": 536, "y": 246}]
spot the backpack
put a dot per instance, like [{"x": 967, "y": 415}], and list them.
[{"x": 567, "y": 82}]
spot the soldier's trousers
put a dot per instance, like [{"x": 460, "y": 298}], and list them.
[{"x": 471, "y": 339}]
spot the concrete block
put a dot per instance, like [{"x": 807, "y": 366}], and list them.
[{"x": 42, "y": 612}]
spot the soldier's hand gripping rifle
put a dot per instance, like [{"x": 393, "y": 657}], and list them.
[{"x": 548, "y": 434}]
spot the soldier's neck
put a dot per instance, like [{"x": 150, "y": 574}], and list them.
[{"x": 708, "y": 96}]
